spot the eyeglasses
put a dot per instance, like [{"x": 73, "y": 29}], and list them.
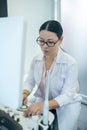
[{"x": 41, "y": 42}]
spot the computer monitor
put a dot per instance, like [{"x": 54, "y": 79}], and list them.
[{"x": 11, "y": 60}]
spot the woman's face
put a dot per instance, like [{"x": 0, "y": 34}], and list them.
[{"x": 50, "y": 37}]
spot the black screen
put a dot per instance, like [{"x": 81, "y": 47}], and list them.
[{"x": 3, "y": 8}]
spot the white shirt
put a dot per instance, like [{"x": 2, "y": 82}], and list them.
[{"x": 64, "y": 78}]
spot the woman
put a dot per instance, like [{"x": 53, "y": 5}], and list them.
[{"x": 63, "y": 96}]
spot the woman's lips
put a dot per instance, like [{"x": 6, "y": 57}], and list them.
[{"x": 45, "y": 51}]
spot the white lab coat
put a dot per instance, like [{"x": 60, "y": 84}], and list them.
[{"x": 63, "y": 83}]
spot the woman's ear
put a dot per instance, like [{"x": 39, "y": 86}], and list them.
[{"x": 61, "y": 39}]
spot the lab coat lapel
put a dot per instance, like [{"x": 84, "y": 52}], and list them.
[{"x": 38, "y": 69}]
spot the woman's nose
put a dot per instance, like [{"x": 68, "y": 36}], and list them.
[{"x": 45, "y": 45}]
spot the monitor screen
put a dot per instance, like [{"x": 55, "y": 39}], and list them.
[{"x": 11, "y": 60}]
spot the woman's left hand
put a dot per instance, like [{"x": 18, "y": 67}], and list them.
[{"x": 34, "y": 109}]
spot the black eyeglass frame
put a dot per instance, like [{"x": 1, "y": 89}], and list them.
[{"x": 48, "y": 43}]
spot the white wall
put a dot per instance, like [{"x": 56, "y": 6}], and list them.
[
  {"x": 74, "y": 21},
  {"x": 35, "y": 12}
]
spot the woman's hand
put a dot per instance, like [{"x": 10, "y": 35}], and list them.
[
  {"x": 35, "y": 109},
  {"x": 25, "y": 95},
  {"x": 25, "y": 99}
]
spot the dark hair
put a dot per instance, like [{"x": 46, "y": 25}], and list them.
[{"x": 52, "y": 26}]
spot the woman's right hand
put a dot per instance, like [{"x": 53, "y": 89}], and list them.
[{"x": 25, "y": 99}]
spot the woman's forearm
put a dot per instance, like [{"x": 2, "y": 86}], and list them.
[{"x": 53, "y": 104}]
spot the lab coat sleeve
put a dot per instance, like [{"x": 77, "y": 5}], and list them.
[
  {"x": 68, "y": 93},
  {"x": 29, "y": 82}
]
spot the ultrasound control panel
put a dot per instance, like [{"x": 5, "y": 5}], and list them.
[
  {"x": 18, "y": 116},
  {"x": 26, "y": 123},
  {"x": 8, "y": 123}
]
